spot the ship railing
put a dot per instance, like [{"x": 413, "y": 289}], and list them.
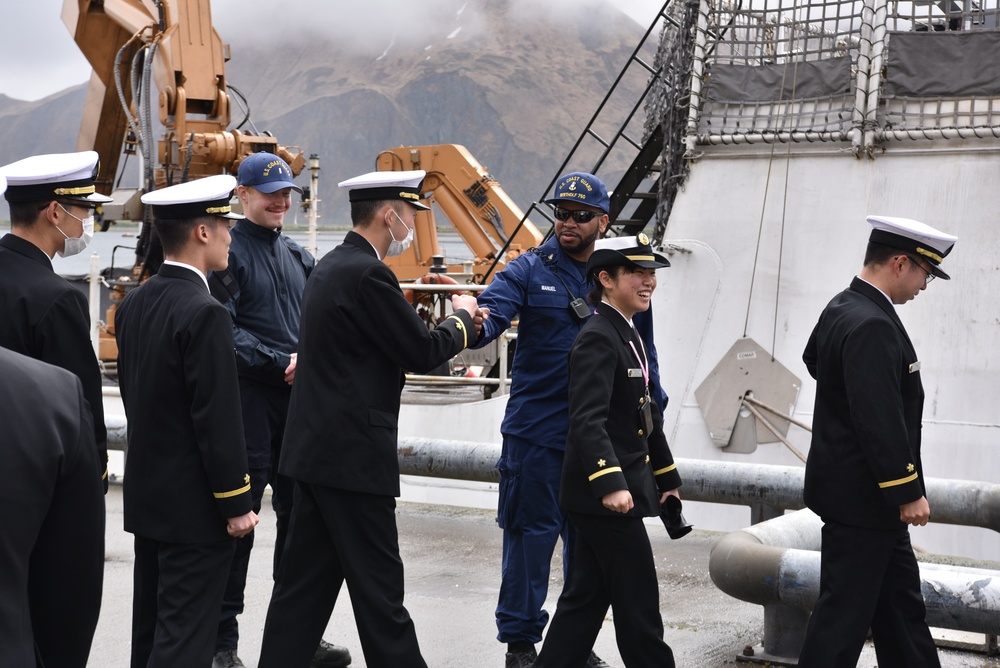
[
  {"x": 500, "y": 385},
  {"x": 502, "y": 382},
  {"x": 858, "y": 72}
]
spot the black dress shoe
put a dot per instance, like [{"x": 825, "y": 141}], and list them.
[
  {"x": 594, "y": 661},
  {"x": 330, "y": 656}
]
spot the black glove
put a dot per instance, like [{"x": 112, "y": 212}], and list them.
[{"x": 670, "y": 513}]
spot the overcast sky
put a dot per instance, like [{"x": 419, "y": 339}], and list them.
[{"x": 38, "y": 57}]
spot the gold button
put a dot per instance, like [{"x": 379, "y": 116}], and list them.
[
  {"x": 647, "y": 459},
  {"x": 640, "y": 432}
]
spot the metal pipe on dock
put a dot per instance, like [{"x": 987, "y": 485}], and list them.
[
  {"x": 960, "y": 502},
  {"x": 776, "y": 564}
]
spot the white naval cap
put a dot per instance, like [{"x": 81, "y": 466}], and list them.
[
  {"x": 379, "y": 186},
  {"x": 625, "y": 251},
  {"x": 208, "y": 196},
  {"x": 914, "y": 237},
  {"x": 52, "y": 176},
  {"x": 3, "y": 184}
]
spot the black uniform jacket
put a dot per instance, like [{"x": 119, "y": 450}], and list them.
[
  {"x": 52, "y": 542},
  {"x": 608, "y": 447},
  {"x": 43, "y": 316},
  {"x": 186, "y": 470},
  {"x": 864, "y": 461},
  {"x": 358, "y": 334}
]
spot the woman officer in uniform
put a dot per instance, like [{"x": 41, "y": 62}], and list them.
[{"x": 618, "y": 469}]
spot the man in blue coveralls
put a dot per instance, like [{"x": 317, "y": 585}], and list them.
[{"x": 546, "y": 289}]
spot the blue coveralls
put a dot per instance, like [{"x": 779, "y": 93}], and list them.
[
  {"x": 270, "y": 272},
  {"x": 535, "y": 425}
]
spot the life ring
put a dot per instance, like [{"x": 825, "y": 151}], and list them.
[{"x": 416, "y": 297}]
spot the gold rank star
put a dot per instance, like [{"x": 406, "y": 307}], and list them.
[
  {"x": 246, "y": 478},
  {"x": 601, "y": 463},
  {"x": 909, "y": 468}
]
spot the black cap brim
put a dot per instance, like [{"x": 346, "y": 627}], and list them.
[{"x": 937, "y": 271}]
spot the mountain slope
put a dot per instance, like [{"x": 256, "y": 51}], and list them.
[{"x": 515, "y": 86}]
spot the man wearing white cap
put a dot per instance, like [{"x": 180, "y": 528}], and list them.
[
  {"x": 52, "y": 200},
  {"x": 864, "y": 476},
  {"x": 187, "y": 489},
  {"x": 262, "y": 290},
  {"x": 52, "y": 548},
  {"x": 358, "y": 334}
]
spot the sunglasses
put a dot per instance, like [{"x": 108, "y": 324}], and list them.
[{"x": 580, "y": 216}]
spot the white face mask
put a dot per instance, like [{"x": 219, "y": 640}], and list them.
[
  {"x": 397, "y": 247},
  {"x": 76, "y": 245}
]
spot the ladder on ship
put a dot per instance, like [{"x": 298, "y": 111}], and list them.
[
  {"x": 635, "y": 192},
  {"x": 616, "y": 146}
]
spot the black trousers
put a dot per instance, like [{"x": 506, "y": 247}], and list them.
[
  {"x": 337, "y": 536},
  {"x": 177, "y": 594},
  {"x": 868, "y": 578},
  {"x": 612, "y": 566}
]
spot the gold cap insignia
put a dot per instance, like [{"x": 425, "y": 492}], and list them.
[{"x": 642, "y": 239}]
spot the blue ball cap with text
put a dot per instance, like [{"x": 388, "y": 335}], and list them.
[
  {"x": 266, "y": 172},
  {"x": 582, "y": 188}
]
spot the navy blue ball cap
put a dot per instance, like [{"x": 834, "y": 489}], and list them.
[
  {"x": 266, "y": 172},
  {"x": 582, "y": 188}
]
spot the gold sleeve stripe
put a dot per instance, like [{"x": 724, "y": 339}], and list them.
[
  {"x": 901, "y": 481},
  {"x": 606, "y": 471},
  {"x": 105, "y": 475},
  {"x": 667, "y": 469},
  {"x": 461, "y": 327},
  {"x": 235, "y": 492}
]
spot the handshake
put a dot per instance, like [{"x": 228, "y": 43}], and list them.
[{"x": 468, "y": 302}]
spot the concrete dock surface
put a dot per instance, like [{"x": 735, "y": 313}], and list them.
[{"x": 451, "y": 557}]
